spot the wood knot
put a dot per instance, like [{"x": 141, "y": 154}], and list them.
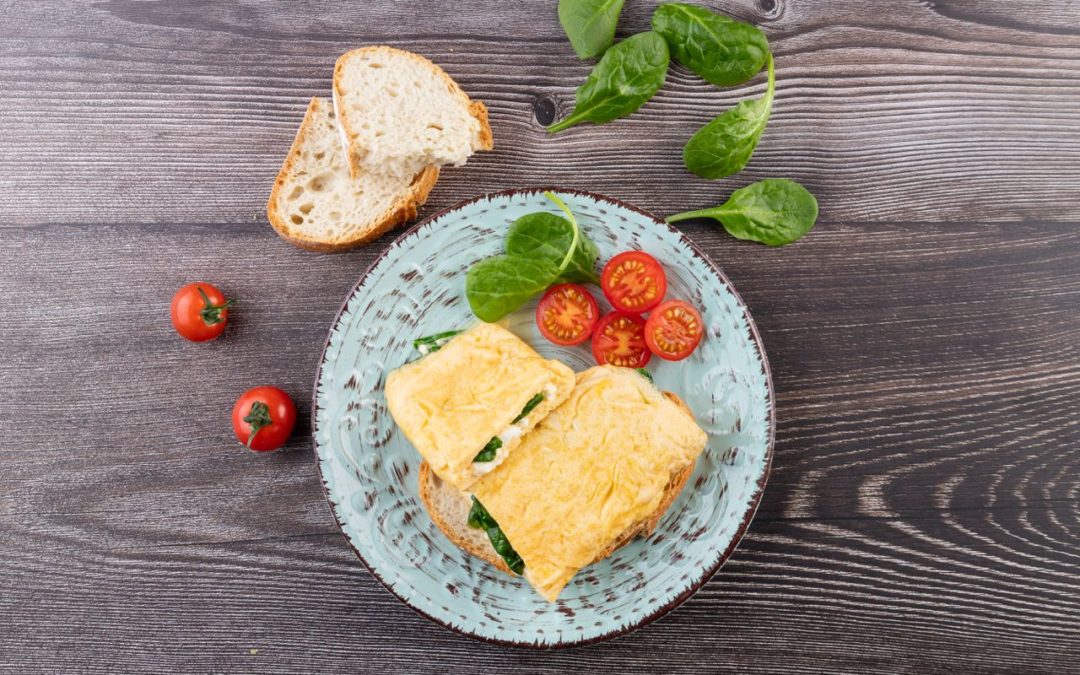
[
  {"x": 545, "y": 108},
  {"x": 771, "y": 9}
]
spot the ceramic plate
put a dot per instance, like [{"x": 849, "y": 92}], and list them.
[{"x": 369, "y": 469}]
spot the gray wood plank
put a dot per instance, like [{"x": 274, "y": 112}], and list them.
[
  {"x": 921, "y": 514},
  {"x": 128, "y": 112}
]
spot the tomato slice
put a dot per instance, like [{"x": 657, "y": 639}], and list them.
[
  {"x": 674, "y": 330},
  {"x": 633, "y": 282},
  {"x": 567, "y": 314},
  {"x": 619, "y": 340}
]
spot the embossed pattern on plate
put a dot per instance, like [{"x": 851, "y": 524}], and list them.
[{"x": 369, "y": 469}]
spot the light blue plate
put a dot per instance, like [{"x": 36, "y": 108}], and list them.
[{"x": 369, "y": 469}]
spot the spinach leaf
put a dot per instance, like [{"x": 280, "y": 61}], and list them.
[
  {"x": 774, "y": 211},
  {"x": 500, "y": 285},
  {"x": 489, "y": 451},
  {"x": 721, "y": 50},
  {"x": 505, "y": 550},
  {"x": 724, "y": 146},
  {"x": 546, "y": 235},
  {"x": 433, "y": 343},
  {"x": 590, "y": 24},
  {"x": 530, "y": 406},
  {"x": 480, "y": 519},
  {"x": 644, "y": 373},
  {"x": 629, "y": 73}
]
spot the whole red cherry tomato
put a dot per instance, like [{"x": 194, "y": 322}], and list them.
[
  {"x": 199, "y": 312},
  {"x": 263, "y": 418}
]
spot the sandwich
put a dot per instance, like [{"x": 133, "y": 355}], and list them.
[
  {"x": 470, "y": 399},
  {"x": 598, "y": 471}
]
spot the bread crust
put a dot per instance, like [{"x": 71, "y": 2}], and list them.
[
  {"x": 476, "y": 108},
  {"x": 401, "y": 211},
  {"x": 645, "y": 527}
]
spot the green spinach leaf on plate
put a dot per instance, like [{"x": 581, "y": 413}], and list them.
[
  {"x": 629, "y": 73},
  {"x": 590, "y": 24},
  {"x": 719, "y": 49},
  {"x": 546, "y": 235},
  {"x": 501, "y": 284},
  {"x": 774, "y": 211}
]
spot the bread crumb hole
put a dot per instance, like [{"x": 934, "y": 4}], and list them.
[
  {"x": 306, "y": 208},
  {"x": 297, "y": 219},
  {"x": 296, "y": 192},
  {"x": 319, "y": 155},
  {"x": 376, "y": 66},
  {"x": 392, "y": 92},
  {"x": 334, "y": 216},
  {"x": 319, "y": 183},
  {"x": 436, "y": 127}
]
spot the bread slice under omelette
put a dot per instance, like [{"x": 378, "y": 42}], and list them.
[
  {"x": 598, "y": 471},
  {"x": 471, "y": 396}
]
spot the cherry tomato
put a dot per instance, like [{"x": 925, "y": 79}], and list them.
[
  {"x": 199, "y": 312},
  {"x": 633, "y": 282},
  {"x": 674, "y": 330},
  {"x": 567, "y": 314},
  {"x": 263, "y": 418},
  {"x": 619, "y": 340}
]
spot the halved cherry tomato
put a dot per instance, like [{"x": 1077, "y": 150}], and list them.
[
  {"x": 263, "y": 418},
  {"x": 633, "y": 282},
  {"x": 619, "y": 340},
  {"x": 199, "y": 312},
  {"x": 567, "y": 314},
  {"x": 674, "y": 330}
]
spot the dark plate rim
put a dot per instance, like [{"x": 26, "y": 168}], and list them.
[{"x": 755, "y": 498}]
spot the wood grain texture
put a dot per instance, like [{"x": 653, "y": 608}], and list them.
[{"x": 922, "y": 514}]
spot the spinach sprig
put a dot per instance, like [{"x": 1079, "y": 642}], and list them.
[
  {"x": 720, "y": 50},
  {"x": 480, "y": 519},
  {"x": 539, "y": 252},
  {"x": 724, "y": 146},
  {"x": 774, "y": 211},
  {"x": 724, "y": 52},
  {"x": 627, "y": 75}
]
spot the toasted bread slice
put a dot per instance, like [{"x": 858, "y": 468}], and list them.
[
  {"x": 449, "y": 509},
  {"x": 317, "y": 205},
  {"x": 400, "y": 112}
]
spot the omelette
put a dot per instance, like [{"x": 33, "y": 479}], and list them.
[
  {"x": 468, "y": 402},
  {"x": 592, "y": 470}
]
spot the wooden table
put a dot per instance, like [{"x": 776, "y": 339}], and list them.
[{"x": 922, "y": 514}]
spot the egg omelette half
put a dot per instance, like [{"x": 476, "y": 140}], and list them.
[
  {"x": 467, "y": 406},
  {"x": 590, "y": 471}
]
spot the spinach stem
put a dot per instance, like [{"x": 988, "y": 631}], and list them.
[
  {"x": 687, "y": 215},
  {"x": 573, "y": 222}
]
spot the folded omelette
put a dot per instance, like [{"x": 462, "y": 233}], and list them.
[
  {"x": 591, "y": 470},
  {"x": 467, "y": 406}
]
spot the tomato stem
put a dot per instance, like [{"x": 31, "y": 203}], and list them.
[
  {"x": 211, "y": 313},
  {"x": 258, "y": 417}
]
